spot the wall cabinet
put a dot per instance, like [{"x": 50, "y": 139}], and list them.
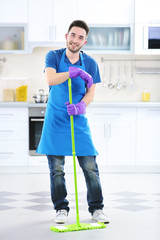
[
  {"x": 150, "y": 10},
  {"x": 105, "y": 12},
  {"x": 48, "y": 20},
  {"x": 14, "y": 11},
  {"x": 40, "y": 20},
  {"x": 150, "y": 17},
  {"x": 13, "y": 136},
  {"x": 148, "y": 136},
  {"x": 67, "y": 12}
]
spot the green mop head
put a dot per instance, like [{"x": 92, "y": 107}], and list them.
[{"x": 75, "y": 227}]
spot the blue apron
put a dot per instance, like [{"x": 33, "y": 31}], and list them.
[{"x": 56, "y": 132}]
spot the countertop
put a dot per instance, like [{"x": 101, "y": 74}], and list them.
[{"x": 93, "y": 104}]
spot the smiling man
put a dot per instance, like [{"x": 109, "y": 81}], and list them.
[{"x": 71, "y": 62}]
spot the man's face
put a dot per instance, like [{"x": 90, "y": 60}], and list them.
[{"x": 75, "y": 39}]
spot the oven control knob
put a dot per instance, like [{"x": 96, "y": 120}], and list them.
[{"x": 42, "y": 112}]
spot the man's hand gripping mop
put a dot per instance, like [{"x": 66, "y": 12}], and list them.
[{"x": 77, "y": 226}]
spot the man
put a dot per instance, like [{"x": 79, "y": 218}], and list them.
[{"x": 56, "y": 134}]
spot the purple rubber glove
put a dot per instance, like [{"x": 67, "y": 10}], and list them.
[
  {"x": 75, "y": 72},
  {"x": 76, "y": 109}
]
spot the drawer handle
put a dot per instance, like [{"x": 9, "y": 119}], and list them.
[
  {"x": 6, "y": 114},
  {"x": 37, "y": 120},
  {"x": 10, "y": 153},
  {"x": 6, "y": 131},
  {"x": 155, "y": 110}
]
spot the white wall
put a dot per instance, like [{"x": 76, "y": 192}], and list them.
[{"x": 32, "y": 65}]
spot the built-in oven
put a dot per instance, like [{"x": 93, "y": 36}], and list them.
[
  {"x": 152, "y": 36},
  {"x": 36, "y": 119}
]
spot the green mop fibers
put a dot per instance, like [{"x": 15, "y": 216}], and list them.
[{"x": 77, "y": 226}]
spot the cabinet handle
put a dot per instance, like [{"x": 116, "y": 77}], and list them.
[
  {"x": 54, "y": 32},
  {"x": 6, "y": 114},
  {"x": 109, "y": 130},
  {"x": 154, "y": 110},
  {"x": 50, "y": 33},
  {"x": 37, "y": 120},
  {"x": 108, "y": 114},
  {"x": 6, "y": 131},
  {"x": 10, "y": 153},
  {"x": 104, "y": 130}
]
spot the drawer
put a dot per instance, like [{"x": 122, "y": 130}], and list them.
[
  {"x": 10, "y": 131},
  {"x": 13, "y": 114},
  {"x": 112, "y": 114},
  {"x": 15, "y": 154}
]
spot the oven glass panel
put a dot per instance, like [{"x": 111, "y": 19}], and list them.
[
  {"x": 36, "y": 124},
  {"x": 154, "y": 38}
]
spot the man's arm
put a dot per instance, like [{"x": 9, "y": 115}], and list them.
[
  {"x": 88, "y": 97},
  {"x": 54, "y": 78}
]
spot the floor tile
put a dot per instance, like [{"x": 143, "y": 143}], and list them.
[
  {"x": 41, "y": 194},
  {"x": 39, "y": 200},
  {"x": 130, "y": 200},
  {"x": 133, "y": 207},
  {"x": 40, "y": 208},
  {"x": 128, "y": 194},
  {"x": 4, "y": 208}
]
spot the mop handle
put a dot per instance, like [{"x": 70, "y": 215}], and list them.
[{"x": 73, "y": 152}]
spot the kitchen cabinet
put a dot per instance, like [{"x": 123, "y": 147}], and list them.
[
  {"x": 13, "y": 38},
  {"x": 147, "y": 11},
  {"x": 40, "y": 20},
  {"x": 48, "y": 21},
  {"x": 63, "y": 18},
  {"x": 114, "y": 39},
  {"x": 13, "y": 11},
  {"x": 150, "y": 17},
  {"x": 54, "y": 24},
  {"x": 141, "y": 40},
  {"x": 106, "y": 12},
  {"x": 148, "y": 136},
  {"x": 13, "y": 136},
  {"x": 113, "y": 131}
]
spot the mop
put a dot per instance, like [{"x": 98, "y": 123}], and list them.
[{"x": 77, "y": 226}]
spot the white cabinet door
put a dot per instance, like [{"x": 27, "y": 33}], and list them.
[
  {"x": 148, "y": 136},
  {"x": 13, "y": 11},
  {"x": 49, "y": 19},
  {"x": 121, "y": 143},
  {"x": 106, "y": 11},
  {"x": 14, "y": 136},
  {"x": 14, "y": 154},
  {"x": 147, "y": 11},
  {"x": 113, "y": 131},
  {"x": 40, "y": 20},
  {"x": 64, "y": 12},
  {"x": 98, "y": 133}
]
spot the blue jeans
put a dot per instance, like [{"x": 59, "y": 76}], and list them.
[{"x": 58, "y": 185}]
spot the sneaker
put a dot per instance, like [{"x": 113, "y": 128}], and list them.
[
  {"x": 61, "y": 216},
  {"x": 99, "y": 216}
]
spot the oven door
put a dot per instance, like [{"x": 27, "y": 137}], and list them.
[
  {"x": 35, "y": 129},
  {"x": 152, "y": 37}
]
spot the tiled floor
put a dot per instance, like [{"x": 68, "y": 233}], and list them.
[{"x": 132, "y": 202}]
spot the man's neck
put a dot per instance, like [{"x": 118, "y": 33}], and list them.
[{"x": 73, "y": 57}]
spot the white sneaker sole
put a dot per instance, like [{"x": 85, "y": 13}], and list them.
[{"x": 104, "y": 221}]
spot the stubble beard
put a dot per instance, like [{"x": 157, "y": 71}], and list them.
[{"x": 73, "y": 50}]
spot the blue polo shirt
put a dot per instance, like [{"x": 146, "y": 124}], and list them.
[{"x": 53, "y": 58}]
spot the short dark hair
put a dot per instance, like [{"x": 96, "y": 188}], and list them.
[{"x": 81, "y": 24}]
